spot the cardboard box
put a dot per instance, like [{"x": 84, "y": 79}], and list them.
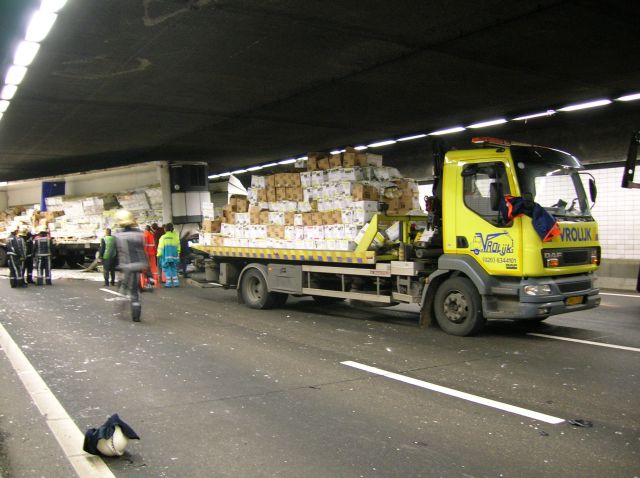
[
  {"x": 373, "y": 160},
  {"x": 271, "y": 194},
  {"x": 348, "y": 159},
  {"x": 258, "y": 182},
  {"x": 312, "y": 160},
  {"x": 369, "y": 206},
  {"x": 281, "y": 193},
  {"x": 364, "y": 192},
  {"x": 323, "y": 163},
  {"x": 264, "y": 217},
  {"x": 289, "y": 218},
  {"x": 316, "y": 219},
  {"x": 305, "y": 179},
  {"x": 261, "y": 195},
  {"x": 335, "y": 161},
  {"x": 313, "y": 232},
  {"x": 318, "y": 178},
  {"x": 228, "y": 230},
  {"x": 270, "y": 181},
  {"x": 276, "y": 218},
  {"x": 275, "y": 231},
  {"x": 211, "y": 225}
]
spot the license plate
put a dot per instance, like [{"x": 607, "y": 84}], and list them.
[{"x": 575, "y": 300}]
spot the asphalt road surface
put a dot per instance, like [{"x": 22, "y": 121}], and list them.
[{"x": 215, "y": 389}]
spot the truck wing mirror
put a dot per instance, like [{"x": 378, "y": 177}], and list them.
[
  {"x": 593, "y": 190},
  {"x": 495, "y": 193}
]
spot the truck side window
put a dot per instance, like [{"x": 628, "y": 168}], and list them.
[{"x": 476, "y": 180}]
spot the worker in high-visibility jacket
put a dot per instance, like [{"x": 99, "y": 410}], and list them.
[
  {"x": 169, "y": 255},
  {"x": 150, "y": 277}
]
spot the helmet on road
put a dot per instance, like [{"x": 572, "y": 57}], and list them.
[
  {"x": 124, "y": 218},
  {"x": 114, "y": 445}
]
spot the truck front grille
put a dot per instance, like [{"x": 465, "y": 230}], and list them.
[{"x": 566, "y": 287}]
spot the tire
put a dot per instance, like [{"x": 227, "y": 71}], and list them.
[
  {"x": 254, "y": 291},
  {"x": 458, "y": 307},
  {"x": 3, "y": 257},
  {"x": 57, "y": 262}
]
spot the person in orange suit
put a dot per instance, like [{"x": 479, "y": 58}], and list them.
[{"x": 150, "y": 277}]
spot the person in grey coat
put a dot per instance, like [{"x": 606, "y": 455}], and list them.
[{"x": 132, "y": 259}]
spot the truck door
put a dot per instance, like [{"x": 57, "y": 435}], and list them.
[{"x": 480, "y": 230}]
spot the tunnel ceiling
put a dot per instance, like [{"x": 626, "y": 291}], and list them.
[{"x": 239, "y": 82}]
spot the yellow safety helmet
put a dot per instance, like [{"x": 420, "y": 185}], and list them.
[
  {"x": 23, "y": 230},
  {"x": 124, "y": 218}
]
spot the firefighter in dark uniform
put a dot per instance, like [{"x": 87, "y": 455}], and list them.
[
  {"x": 132, "y": 259},
  {"x": 42, "y": 254},
  {"x": 26, "y": 235},
  {"x": 16, "y": 254}
]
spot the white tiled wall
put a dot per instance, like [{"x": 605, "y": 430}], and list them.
[{"x": 617, "y": 211}]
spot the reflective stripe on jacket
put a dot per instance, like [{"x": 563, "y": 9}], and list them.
[{"x": 149, "y": 244}]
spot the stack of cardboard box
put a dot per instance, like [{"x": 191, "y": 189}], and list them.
[{"x": 323, "y": 208}]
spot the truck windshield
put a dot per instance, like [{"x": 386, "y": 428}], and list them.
[{"x": 552, "y": 179}]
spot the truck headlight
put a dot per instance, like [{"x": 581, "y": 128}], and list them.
[{"x": 542, "y": 289}]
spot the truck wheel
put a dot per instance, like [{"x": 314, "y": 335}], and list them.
[
  {"x": 458, "y": 307},
  {"x": 3, "y": 257},
  {"x": 255, "y": 293},
  {"x": 57, "y": 262}
]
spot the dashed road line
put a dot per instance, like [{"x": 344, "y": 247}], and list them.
[
  {"x": 587, "y": 342},
  {"x": 458, "y": 394},
  {"x": 64, "y": 429}
]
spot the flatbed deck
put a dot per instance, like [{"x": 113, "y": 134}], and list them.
[{"x": 334, "y": 257}]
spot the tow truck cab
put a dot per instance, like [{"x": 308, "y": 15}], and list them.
[{"x": 518, "y": 273}]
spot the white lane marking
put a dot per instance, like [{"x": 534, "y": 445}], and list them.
[
  {"x": 620, "y": 295},
  {"x": 458, "y": 394},
  {"x": 64, "y": 429},
  {"x": 588, "y": 342},
  {"x": 113, "y": 292}
]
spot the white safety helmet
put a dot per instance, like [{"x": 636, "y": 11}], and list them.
[
  {"x": 115, "y": 445},
  {"x": 124, "y": 218}
]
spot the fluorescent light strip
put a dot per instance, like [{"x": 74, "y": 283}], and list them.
[
  {"x": 360, "y": 148},
  {"x": 534, "y": 115},
  {"x": 225, "y": 174},
  {"x": 302, "y": 158},
  {"x": 25, "y": 53},
  {"x": 255, "y": 168},
  {"x": 382, "y": 143},
  {"x": 270, "y": 165},
  {"x": 52, "y": 6},
  {"x": 15, "y": 75},
  {"x": 484, "y": 124},
  {"x": 455, "y": 129},
  {"x": 631, "y": 97},
  {"x": 415, "y": 136},
  {"x": 287, "y": 161},
  {"x": 4, "y": 104},
  {"x": 588, "y": 104},
  {"x": 335, "y": 151},
  {"x": 40, "y": 26},
  {"x": 8, "y": 91}
]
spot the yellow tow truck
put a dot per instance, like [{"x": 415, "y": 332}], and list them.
[{"x": 509, "y": 235}]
